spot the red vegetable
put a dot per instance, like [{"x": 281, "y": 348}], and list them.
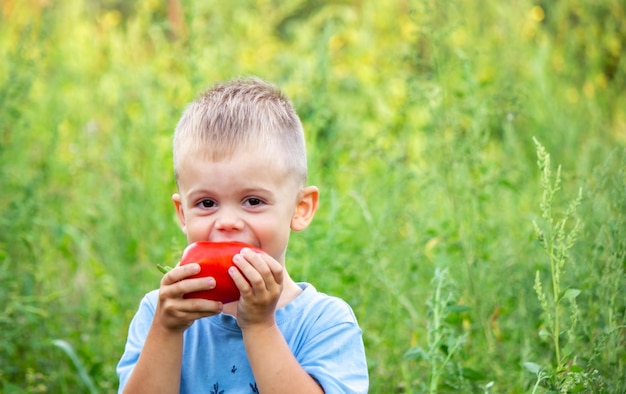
[{"x": 215, "y": 258}]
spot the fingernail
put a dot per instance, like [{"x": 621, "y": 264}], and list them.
[{"x": 211, "y": 281}]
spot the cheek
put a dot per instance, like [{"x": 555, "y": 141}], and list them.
[
  {"x": 274, "y": 233},
  {"x": 197, "y": 229}
]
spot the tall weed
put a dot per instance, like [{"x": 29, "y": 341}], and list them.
[
  {"x": 443, "y": 341},
  {"x": 557, "y": 237},
  {"x": 580, "y": 359}
]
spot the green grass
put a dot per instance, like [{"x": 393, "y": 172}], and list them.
[{"x": 425, "y": 122}]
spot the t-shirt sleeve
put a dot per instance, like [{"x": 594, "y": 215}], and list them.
[
  {"x": 137, "y": 332},
  {"x": 335, "y": 356}
]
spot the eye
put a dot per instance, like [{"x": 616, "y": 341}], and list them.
[
  {"x": 207, "y": 204},
  {"x": 253, "y": 201}
]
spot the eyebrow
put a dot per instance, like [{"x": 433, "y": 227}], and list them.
[{"x": 246, "y": 190}]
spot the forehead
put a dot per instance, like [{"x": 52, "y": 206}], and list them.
[
  {"x": 239, "y": 165},
  {"x": 261, "y": 155}
]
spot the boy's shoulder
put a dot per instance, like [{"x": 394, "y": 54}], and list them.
[
  {"x": 150, "y": 299},
  {"x": 312, "y": 304}
]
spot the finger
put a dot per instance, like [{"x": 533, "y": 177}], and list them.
[
  {"x": 200, "y": 307},
  {"x": 184, "y": 286},
  {"x": 257, "y": 271},
  {"x": 238, "y": 277},
  {"x": 270, "y": 269},
  {"x": 196, "y": 284},
  {"x": 179, "y": 273},
  {"x": 181, "y": 313},
  {"x": 255, "y": 279},
  {"x": 173, "y": 296}
]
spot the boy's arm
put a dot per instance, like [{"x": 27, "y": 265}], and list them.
[
  {"x": 158, "y": 367},
  {"x": 275, "y": 368}
]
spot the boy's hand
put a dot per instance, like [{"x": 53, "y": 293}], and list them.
[
  {"x": 260, "y": 282},
  {"x": 176, "y": 313}
]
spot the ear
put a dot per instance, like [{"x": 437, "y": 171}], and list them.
[
  {"x": 306, "y": 206},
  {"x": 180, "y": 213}
]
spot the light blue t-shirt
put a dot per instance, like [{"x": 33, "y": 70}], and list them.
[{"x": 321, "y": 331}]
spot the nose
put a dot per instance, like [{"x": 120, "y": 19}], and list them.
[{"x": 228, "y": 220}]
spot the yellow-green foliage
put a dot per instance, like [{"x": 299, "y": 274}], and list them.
[{"x": 420, "y": 117}]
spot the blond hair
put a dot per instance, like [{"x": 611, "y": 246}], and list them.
[{"x": 237, "y": 115}]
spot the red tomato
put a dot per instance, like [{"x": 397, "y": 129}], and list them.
[{"x": 214, "y": 258}]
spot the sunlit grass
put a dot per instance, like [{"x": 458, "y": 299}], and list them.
[{"x": 420, "y": 120}]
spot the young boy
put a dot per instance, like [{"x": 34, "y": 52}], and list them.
[{"x": 240, "y": 167}]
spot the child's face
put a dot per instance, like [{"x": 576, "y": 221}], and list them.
[{"x": 247, "y": 198}]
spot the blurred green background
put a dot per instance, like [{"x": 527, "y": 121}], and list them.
[{"x": 459, "y": 254}]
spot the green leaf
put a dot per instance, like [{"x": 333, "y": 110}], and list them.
[
  {"x": 576, "y": 368},
  {"x": 80, "y": 367},
  {"x": 532, "y": 367},
  {"x": 164, "y": 268},
  {"x": 472, "y": 374},
  {"x": 571, "y": 294},
  {"x": 567, "y": 350},
  {"x": 458, "y": 308},
  {"x": 416, "y": 353}
]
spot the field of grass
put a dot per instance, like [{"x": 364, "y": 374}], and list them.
[{"x": 471, "y": 158}]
